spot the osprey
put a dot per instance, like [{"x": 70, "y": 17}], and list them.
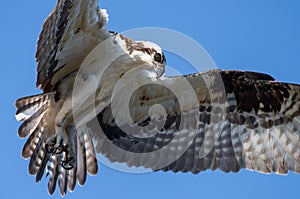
[{"x": 105, "y": 93}]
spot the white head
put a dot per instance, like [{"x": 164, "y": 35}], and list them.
[
  {"x": 145, "y": 52},
  {"x": 149, "y": 53}
]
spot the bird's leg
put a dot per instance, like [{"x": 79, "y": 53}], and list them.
[
  {"x": 61, "y": 140},
  {"x": 66, "y": 133},
  {"x": 52, "y": 145},
  {"x": 68, "y": 161},
  {"x": 57, "y": 143}
]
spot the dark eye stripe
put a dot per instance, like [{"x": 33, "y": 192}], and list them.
[{"x": 163, "y": 58}]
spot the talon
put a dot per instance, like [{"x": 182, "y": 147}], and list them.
[
  {"x": 54, "y": 145},
  {"x": 68, "y": 163},
  {"x": 58, "y": 150}
]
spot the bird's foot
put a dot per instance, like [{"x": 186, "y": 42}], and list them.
[
  {"x": 54, "y": 144},
  {"x": 57, "y": 144}
]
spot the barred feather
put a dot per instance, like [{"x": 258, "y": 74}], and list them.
[
  {"x": 23, "y": 102},
  {"x": 72, "y": 179},
  {"x": 74, "y": 148},
  {"x": 63, "y": 181},
  {"x": 35, "y": 160},
  {"x": 30, "y": 124},
  {"x": 53, "y": 172},
  {"x": 81, "y": 162},
  {"x": 90, "y": 155},
  {"x": 42, "y": 167},
  {"x": 31, "y": 143}
]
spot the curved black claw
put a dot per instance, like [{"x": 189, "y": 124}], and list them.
[
  {"x": 54, "y": 147},
  {"x": 68, "y": 163},
  {"x": 58, "y": 150}
]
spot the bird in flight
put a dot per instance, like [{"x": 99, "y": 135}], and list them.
[{"x": 104, "y": 93}]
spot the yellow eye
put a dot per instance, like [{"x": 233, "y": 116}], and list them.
[{"x": 158, "y": 57}]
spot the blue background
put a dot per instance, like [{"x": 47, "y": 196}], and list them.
[{"x": 256, "y": 35}]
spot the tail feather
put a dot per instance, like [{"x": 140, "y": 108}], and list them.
[
  {"x": 53, "y": 171},
  {"x": 72, "y": 173},
  {"x": 31, "y": 144},
  {"x": 25, "y": 112},
  {"x": 29, "y": 125},
  {"x": 81, "y": 162},
  {"x": 27, "y": 106},
  {"x": 37, "y": 116},
  {"x": 28, "y": 100},
  {"x": 63, "y": 181},
  {"x": 35, "y": 160},
  {"x": 41, "y": 170},
  {"x": 72, "y": 179},
  {"x": 66, "y": 179},
  {"x": 91, "y": 161},
  {"x": 31, "y": 112}
]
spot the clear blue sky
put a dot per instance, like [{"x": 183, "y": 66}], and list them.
[{"x": 256, "y": 35}]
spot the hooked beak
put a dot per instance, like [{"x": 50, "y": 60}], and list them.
[{"x": 159, "y": 69}]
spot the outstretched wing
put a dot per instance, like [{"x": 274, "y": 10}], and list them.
[
  {"x": 71, "y": 31},
  {"x": 237, "y": 120}
]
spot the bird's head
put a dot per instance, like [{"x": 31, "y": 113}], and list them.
[
  {"x": 148, "y": 53},
  {"x": 151, "y": 54},
  {"x": 143, "y": 53}
]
